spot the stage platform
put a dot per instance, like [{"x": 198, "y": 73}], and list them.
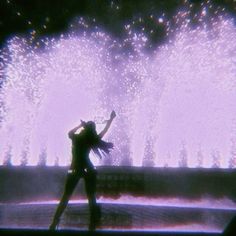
[
  {"x": 42, "y": 232},
  {"x": 117, "y": 219}
]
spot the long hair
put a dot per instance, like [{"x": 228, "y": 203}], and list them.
[
  {"x": 99, "y": 147},
  {"x": 102, "y": 148}
]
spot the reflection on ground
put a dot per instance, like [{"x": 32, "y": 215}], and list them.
[{"x": 127, "y": 213}]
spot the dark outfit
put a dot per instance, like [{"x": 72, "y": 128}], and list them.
[{"x": 81, "y": 167}]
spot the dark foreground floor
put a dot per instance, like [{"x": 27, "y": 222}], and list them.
[
  {"x": 117, "y": 219},
  {"x": 28, "y": 232},
  {"x": 230, "y": 230}
]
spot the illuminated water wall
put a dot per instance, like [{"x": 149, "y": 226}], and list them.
[{"x": 175, "y": 104}]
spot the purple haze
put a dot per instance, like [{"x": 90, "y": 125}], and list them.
[{"x": 180, "y": 96}]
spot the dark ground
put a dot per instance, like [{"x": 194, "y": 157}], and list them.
[
  {"x": 118, "y": 217},
  {"x": 22, "y": 184},
  {"x": 97, "y": 233}
]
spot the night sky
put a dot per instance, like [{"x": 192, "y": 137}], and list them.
[{"x": 53, "y": 17}]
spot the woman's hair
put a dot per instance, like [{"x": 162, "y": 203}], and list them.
[
  {"x": 102, "y": 148},
  {"x": 89, "y": 125},
  {"x": 99, "y": 147}
]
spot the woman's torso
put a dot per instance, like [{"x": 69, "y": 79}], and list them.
[{"x": 81, "y": 146}]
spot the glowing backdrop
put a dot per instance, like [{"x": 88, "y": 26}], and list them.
[{"x": 177, "y": 101}]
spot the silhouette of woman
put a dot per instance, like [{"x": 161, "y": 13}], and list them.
[{"x": 82, "y": 167}]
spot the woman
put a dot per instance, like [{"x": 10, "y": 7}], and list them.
[{"x": 82, "y": 167}]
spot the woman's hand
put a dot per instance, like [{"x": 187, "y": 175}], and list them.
[
  {"x": 108, "y": 124},
  {"x": 113, "y": 115}
]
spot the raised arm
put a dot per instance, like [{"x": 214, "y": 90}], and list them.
[
  {"x": 108, "y": 124},
  {"x": 72, "y": 132}
]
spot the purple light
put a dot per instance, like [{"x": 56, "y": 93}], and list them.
[{"x": 182, "y": 92}]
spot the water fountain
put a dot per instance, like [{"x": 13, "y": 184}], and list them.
[
  {"x": 183, "y": 91},
  {"x": 174, "y": 103}
]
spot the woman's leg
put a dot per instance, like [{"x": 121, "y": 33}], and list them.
[
  {"x": 90, "y": 185},
  {"x": 71, "y": 181}
]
